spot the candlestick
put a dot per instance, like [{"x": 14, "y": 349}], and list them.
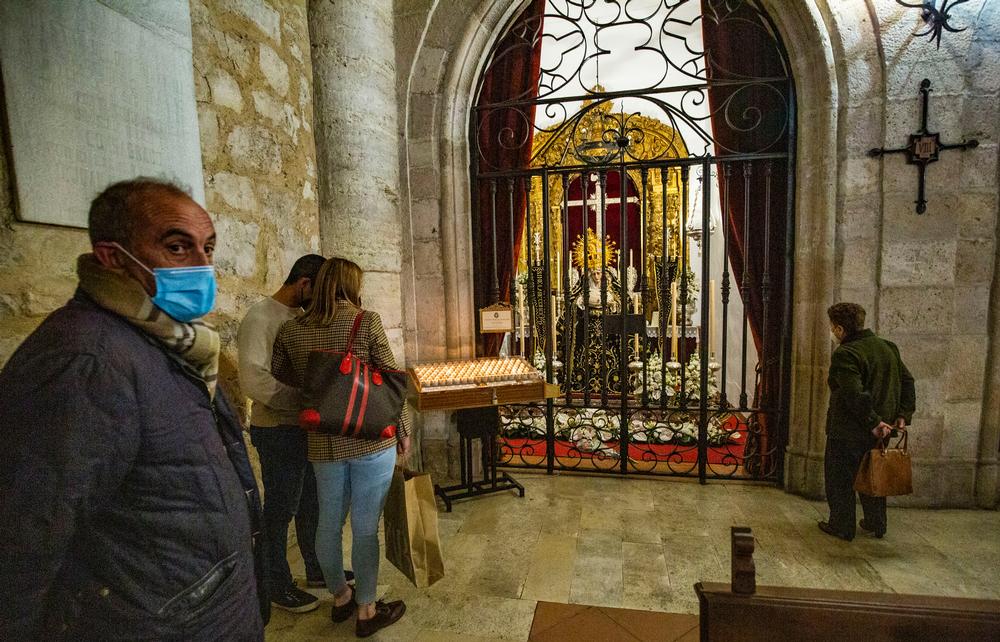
[
  {"x": 673, "y": 321},
  {"x": 711, "y": 316},
  {"x": 520, "y": 315},
  {"x": 553, "y": 324},
  {"x": 558, "y": 280},
  {"x": 635, "y": 309}
]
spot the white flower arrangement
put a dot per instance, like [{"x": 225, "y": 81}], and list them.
[
  {"x": 672, "y": 380},
  {"x": 538, "y": 361},
  {"x": 593, "y": 429}
]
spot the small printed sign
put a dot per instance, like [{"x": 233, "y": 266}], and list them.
[{"x": 496, "y": 318}]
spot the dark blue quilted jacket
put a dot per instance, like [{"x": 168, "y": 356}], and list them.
[{"x": 126, "y": 496}]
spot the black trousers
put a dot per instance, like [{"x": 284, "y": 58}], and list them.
[
  {"x": 843, "y": 458},
  {"x": 289, "y": 491}
]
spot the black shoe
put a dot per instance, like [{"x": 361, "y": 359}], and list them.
[
  {"x": 344, "y": 611},
  {"x": 386, "y": 613},
  {"x": 295, "y": 600},
  {"x": 829, "y": 530},
  {"x": 879, "y": 533},
  {"x": 321, "y": 583}
]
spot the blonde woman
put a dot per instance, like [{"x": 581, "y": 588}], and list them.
[{"x": 352, "y": 475}]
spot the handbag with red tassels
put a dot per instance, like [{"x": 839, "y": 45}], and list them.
[{"x": 346, "y": 396}]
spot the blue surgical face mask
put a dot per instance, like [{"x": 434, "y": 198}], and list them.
[{"x": 184, "y": 293}]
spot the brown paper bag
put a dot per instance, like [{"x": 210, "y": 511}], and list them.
[
  {"x": 886, "y": 471},
  {"x": 411, "y": 528}
]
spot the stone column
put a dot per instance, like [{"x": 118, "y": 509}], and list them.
[
  {"x": 357, "y": 147},
  {"x": 357, "y": 150}
]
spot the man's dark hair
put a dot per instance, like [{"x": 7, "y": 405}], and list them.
[
  {"x": 849, "y": 316},
  {"x": 307, "y": 266},
  {"x": 114, "y": 213}
]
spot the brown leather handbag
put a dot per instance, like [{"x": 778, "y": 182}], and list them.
[
  {"x": 886, "y": 471},
  {"x": 348, "y": 397}
]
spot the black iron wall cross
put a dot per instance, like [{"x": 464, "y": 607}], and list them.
[{"x": 924, "y": 147}]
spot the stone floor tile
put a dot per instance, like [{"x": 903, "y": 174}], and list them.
[
  {"x": 646, "y": 582},
  {"x": 550, "y": 569},
  {"x": 597, "y": 571}
]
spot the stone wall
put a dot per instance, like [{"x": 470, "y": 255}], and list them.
[
  {"x": 935, "y": 271},
  {"x": 253, "y": 84}
]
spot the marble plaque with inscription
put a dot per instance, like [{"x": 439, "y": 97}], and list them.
[{"x": 96, "y": 91}]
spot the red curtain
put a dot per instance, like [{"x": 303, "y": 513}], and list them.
[
  {"x": 739, "y": 45},
  {"x": 503, "y": 137}
]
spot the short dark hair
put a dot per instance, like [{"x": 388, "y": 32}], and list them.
[
  {"x": 306, "y": 266},
  {"x": 849, "y": 316},
  {"x": 114, "y": 212}
]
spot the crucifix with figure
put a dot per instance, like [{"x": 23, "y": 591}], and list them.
[
  {"x": 924, "y": 147},
  {"x": 593, "y": 203}
]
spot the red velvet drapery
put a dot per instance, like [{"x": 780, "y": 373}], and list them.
[
  {"x": 740, "y": 46},
  {"x": 503, "y": 139}
]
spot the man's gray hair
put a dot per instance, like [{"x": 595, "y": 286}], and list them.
[{"x": 114, "y": 212}]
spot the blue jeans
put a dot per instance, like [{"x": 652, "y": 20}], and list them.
[
  {"x": 358, "y": 486},
  {"x": 289, "y": 491}
]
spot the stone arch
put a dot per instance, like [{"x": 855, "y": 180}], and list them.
[{"x": 825, "y": 47}]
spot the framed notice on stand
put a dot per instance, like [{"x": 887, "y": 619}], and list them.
[{"x": 496, "y": 318}]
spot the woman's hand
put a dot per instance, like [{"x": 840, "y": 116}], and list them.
[
  {"x": 882, "y": 430},
  {"x": 403, "y": 447}
]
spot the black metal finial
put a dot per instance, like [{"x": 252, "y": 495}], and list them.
[{"x": 936, "y": 18}]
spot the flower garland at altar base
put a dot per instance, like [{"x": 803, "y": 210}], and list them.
[
  {"x": 596, "y": 430},
  {"x": 591, "y": 429}
]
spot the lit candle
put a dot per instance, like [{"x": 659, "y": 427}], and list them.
[
  {"x": 711, "y": 317},
  {"x": 673, "y": 321}
]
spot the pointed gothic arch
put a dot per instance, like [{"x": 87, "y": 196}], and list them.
[{"x": 458, "y": 44}]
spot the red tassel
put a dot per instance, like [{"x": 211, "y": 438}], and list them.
[
  {"x": 377, "y": 378},
  {"x": 388, "y": 432},
  {"x": 309, "y": 419},
  {"x": 345, "y": 364}
]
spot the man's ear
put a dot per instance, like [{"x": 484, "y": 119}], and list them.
[{"x": 107, "y": 254}]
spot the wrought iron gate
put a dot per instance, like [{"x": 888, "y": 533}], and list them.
[{"x": 564, "y": 203}]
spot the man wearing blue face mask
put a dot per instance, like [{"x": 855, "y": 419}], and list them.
[{"x": 128, "y": 509}]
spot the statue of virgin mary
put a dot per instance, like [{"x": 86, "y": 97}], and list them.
[{"x": 595, "y": 291}]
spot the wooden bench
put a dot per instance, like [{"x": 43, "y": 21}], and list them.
[{"x": 743, "y": 611}]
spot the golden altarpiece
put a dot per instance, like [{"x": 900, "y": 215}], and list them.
[{"x": 589, "y": 202}]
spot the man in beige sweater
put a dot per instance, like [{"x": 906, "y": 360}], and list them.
[{"x": 289, "y": 484}]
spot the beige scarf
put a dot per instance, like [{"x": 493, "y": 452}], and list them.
[{"x": 196, "y": 344}]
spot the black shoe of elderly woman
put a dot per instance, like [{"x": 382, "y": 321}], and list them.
[
  {"x": 877, "y": 532},
  {"x": 829, "y": 530},
  {"x": 386, "y": 613}
]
